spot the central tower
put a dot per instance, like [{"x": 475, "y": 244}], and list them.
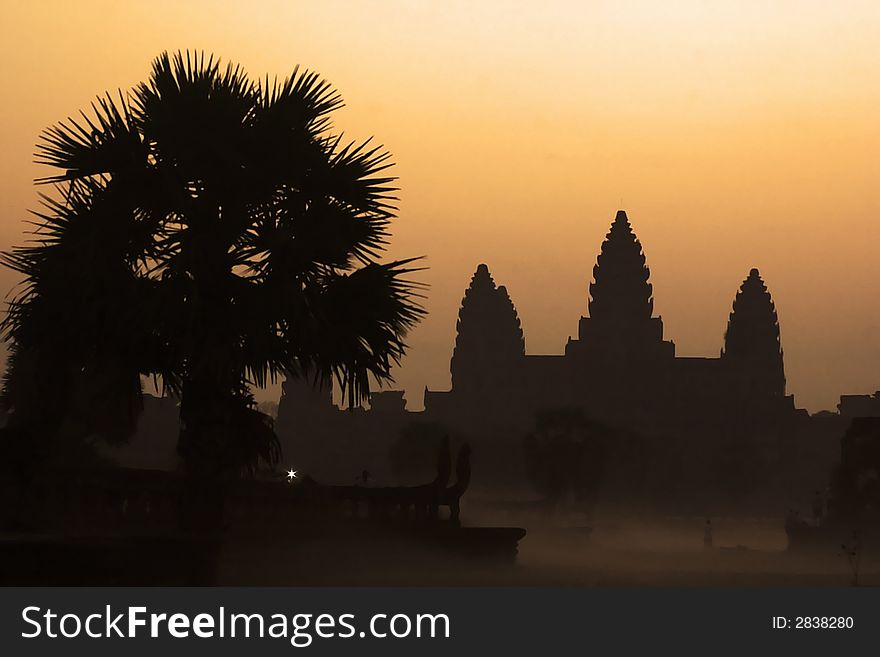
[{"x": 621, "y": 328}]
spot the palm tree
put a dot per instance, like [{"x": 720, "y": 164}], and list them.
[{"x": 209, "y": 231}]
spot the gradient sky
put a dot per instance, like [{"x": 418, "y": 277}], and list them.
[{"x": 736, "y": 134}]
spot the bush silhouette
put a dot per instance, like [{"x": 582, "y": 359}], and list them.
[{"x": 565, "y": 455}]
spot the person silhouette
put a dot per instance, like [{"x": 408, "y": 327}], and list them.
[
  {"x": 365, "y": 479},
  {"x": 707, "y": 535}
]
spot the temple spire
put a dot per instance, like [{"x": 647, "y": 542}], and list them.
[
  {"x": 621, "y": 325},
  {"x": 752, "y": 344},
  {"x": 620, "y": 291},
  {"x": 489, "y": 338}
]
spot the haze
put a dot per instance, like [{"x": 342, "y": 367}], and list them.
[{"x": 735, "y": 134}]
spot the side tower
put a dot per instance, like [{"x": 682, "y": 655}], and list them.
[
  {"x": 621, "y": 328},
  {"x": 489, "y": 343},
  {"x": 752, "y": 347}
]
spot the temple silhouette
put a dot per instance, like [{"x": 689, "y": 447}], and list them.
[
  {"x": 680, "y": 427},
  {"x": 619, "y": 368},
  {"x": 693, "y": 423}
]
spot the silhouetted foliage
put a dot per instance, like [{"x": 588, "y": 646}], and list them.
[
  {"x": 565, "y": 454},
  {"x": 857, "y": 477},
  {"x": 413, "y": 455},
  {"x": 738, "y": 466},
  {"x": 209, "y": 231}
]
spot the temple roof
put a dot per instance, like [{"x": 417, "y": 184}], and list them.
[
  {"x": 488, "y": 331},
  {"x": 620, "y": 290},
  {"x": 752, "y": 334},
  {"x": 753, "y": 324}
]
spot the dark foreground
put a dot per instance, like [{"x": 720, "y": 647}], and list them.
[{"x": 666, "y": 552}]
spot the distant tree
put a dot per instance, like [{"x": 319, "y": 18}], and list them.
[
  {"x": 565, "y": 455},
  {"x": 413, "y": 455},
  {"x": 852, "y": 552},
  {"x": 738, "y": 468},
  {"x": 209, "y": 231}
]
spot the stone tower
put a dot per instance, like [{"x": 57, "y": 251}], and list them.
[
  {"x": 489, "y": 343},
  {"x": 752, "y": 348},
  {"x": 621, "y": 327}
]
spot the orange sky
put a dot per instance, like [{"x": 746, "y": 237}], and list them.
[{"x": 736, "y": 134}]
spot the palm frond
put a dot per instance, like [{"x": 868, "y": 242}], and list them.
[
  {"x": 357, "y": 324},
  {"x": 109, "y": 142}
]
